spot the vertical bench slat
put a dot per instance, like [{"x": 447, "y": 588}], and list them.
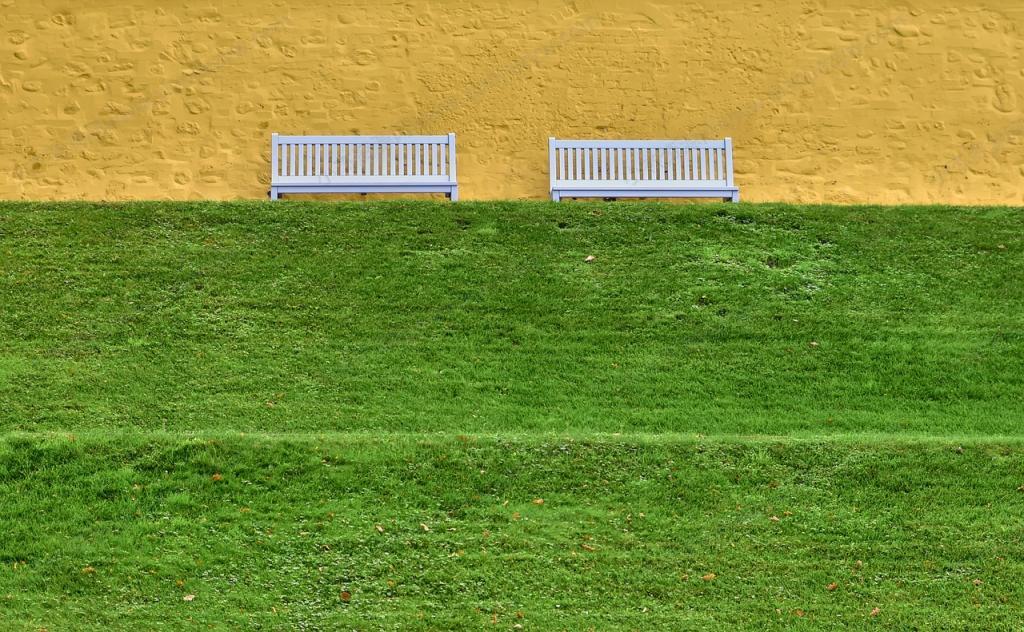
[
  {"x": 275, "y": 169},
  {"x": 451, "y": 157},
  {"x": 707, "y": 164},
  {"x": 728, "y": 163}
]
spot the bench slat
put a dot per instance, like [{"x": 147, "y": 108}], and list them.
[
  {"x": 638, "y": 144},
  {"x": 359, "y": 140}
]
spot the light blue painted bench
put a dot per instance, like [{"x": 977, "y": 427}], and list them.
[
  {"x": 363, "y": 164},
  {"x": 648, "y": 168}
]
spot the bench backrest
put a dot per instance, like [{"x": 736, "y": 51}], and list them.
[
  {"x": 700, "y": 163},
  {"x": 342, "y": 159}
]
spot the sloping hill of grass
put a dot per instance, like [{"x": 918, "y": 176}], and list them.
[
  {"x": 448, "y": 533},
  {"x": 431, "y": 416},
  {"x": 487, "y": 317}
]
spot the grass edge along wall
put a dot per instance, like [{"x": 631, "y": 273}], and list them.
[{"x": 847, "y": 102}]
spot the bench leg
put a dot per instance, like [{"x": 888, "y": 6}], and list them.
[
  {"x": 274, "y": 195},
  {"x": 453, "y": 195},
  {"x": 736, "y": 197},
  {"x": 556, "y": 196}
]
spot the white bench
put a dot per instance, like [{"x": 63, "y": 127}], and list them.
[
  {"x": 649, "y": 168},
  {"x": 363, "y": 164}
]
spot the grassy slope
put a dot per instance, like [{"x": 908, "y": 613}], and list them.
[
  {"x": 625, "y": 535},
  {"x": 484, "y": 317},
  {"x": 147, "y": 348}
]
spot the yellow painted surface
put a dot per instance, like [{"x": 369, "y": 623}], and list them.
[{"x": 827, "y": 101}]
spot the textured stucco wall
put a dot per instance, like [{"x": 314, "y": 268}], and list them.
[{"x": 827, "y": 101}]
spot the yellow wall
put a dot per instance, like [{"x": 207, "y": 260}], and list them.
[{"x": 827, "y": 101}]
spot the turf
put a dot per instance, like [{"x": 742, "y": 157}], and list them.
[
  {"x": 448, "y": 533},
  {"x": 422, "y": 317},
  {"x": 410, "y": 415}
]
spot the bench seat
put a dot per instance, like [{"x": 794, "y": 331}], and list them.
[
  {"x": 363, "y": 164},
  {"x": 614, "y": 169}
]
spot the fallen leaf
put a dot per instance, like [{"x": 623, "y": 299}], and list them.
[
  {"x": 859, "y": 564},
  {"x": 217, "y": 477},
  {"x": 424, "y": 526},
  {"x": 709, "y": 577},
  {"x": 379, "y": 528},
  {"x": 188, "y": 597},
  {"x": 814, "y": 343},
  {"x": 179, "y": 582},
  {"x": 977, "y": 582},
  {"x": 346, "y": 596},
  {"x": 774, "y": 518},
  {"x": 538, "y": 501},
  {"x": 590, "y": 259},
  {"x": 798, "y": 612},
  {"x": 88, "y": 570},
  {"x": 587, "y": 547},
  {"x": 832, "y": 586},
  {"x": 875, "y": 612}
]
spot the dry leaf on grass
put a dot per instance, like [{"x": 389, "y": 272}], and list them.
[
  {"x": 709, "y": 577},
  {"x": 875, "y": 612},
  {"x": 379, "y": 528},
  {"x": 188, "y": 597},
  {"x": 590, "y": 259},
  {"x": 217, "y": 477},
  {"x": 424, "y": 526},
  {"x": 538, "y": 501},
  {"x": 346, "y": 596},
  {"x": 832, "y": 586}
]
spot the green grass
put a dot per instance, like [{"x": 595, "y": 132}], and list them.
[
  {"x": 226, "y": 400},
  {"x": 627, "y": 531},
  {"x": 485, "y": 317}
]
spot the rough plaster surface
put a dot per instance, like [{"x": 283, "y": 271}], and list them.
[{"x": 827, "y": 101}]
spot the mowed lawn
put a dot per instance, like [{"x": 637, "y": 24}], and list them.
[{"x": 410, "y": 415}]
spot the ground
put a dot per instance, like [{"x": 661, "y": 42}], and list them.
[{"x": 399, "y": 415}]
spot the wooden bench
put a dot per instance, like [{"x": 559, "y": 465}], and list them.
[
  {"x": 649, "y": 168},
  {"x": 363, "y": 164}
]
